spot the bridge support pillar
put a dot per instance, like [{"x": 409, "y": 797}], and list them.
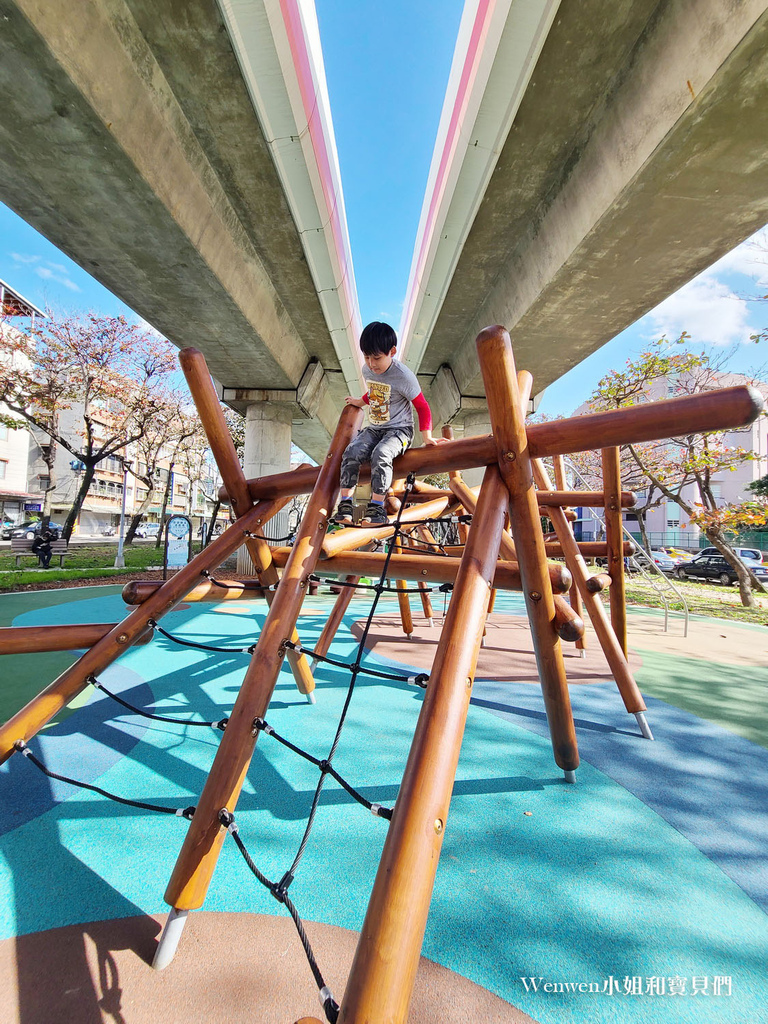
[
  {"x": 475, "y": 423},
  {"x": 267, "y": 449}
]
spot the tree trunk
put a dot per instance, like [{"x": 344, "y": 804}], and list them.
[
  {"x": 212, "y": 523},
  {"x": 643, "y": 531},
  {"x": 747, "y": 580},
  {"x": 137, "y": 516},
  {"x": 166, "y": 495},
  {"x": 88, "y": 474},
  {"x": 49, "y": 459}
]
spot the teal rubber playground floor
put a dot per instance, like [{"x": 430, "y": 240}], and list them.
[{"x": 638, "y": 894}]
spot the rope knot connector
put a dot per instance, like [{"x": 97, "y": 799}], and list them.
[
  {"x": 329, "y": 1004},
  {"x": 227, "y": 819}
]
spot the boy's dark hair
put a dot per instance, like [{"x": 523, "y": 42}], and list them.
[{"x": 377, "y": 338}]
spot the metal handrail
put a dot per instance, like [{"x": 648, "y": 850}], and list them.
[{"x": 638, "y": 566}]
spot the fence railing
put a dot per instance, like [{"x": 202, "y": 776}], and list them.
[{"x": 675, "y": 538}]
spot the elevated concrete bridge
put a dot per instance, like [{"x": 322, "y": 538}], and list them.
[{"x": 592, "y": 157}]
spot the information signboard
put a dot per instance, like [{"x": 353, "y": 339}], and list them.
[{"x": 178, "y": 542}]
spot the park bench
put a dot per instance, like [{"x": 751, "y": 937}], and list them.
[{"x": 21, "y": 546}]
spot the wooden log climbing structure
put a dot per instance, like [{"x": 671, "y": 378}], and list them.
[{"x": 502, "y": 548}]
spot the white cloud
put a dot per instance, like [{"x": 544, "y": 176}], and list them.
[
  {"x": 707, "y": 309},
  {"x": 49, "y": 273},
  {"x": 750, "y": 258},
  {"x": 18, "y": 257}
]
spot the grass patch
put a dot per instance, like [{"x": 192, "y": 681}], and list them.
[
  {"x": 83, "y": 561},
  {"x": 25, "y": 675},
  {"x": 714, "y": 600},
  {"x": 724, "y": 694}
]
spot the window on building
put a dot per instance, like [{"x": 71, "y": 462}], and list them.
[
  {"x": 673, "y": 515},
  {"x": 3, "y": 468},
  {"x": 3, "y": 432}
]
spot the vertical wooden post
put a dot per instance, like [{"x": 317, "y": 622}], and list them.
[
  {"x": 402, "y": 599},
  {"x": 630, "y": 694},
  {"x": 615, "y": 541},
  {"x": 331, "y": 627},
  {"x": 383, "y": 971},
  {"x": 197, "y": 859},
  {"x": 219, "y": 438},
  {"x": 426, "y": 603},
  {"x": 497, "y": 365},
  {"x": 574, "y": 594}
]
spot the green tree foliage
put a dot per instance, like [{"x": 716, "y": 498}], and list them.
[{"x": 671, "y": 369}]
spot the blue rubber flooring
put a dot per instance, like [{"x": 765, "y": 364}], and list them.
[{"x": 649, "y": 872}]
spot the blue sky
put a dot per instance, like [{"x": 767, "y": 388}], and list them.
[{"x": 387, "y": 66}]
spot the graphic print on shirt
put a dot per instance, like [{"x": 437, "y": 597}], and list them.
[{"x": 378, "y": 402}]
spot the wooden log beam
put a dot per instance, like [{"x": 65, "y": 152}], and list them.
[
  {"x": 570, "y": 625},
  {"x": 614, "y": 536},
  {"x": 138, "y": 591},
  {"x": 384, "y": 968},
  {"x": 587, "y": 548},
  {"x": 42, "y": 708},
  {"x": 355, "y": 537},
  {"x": 585, "y": 499},
  {"x": 726, "y": 409},
  {"x": 597, "y": 583},
  {"x": 428, "y": 568},
  {"x": 331, "y": 627},
  {"x": 35, "y": 639},
  {"x": 199, "y": 853},
  {"x": 574, "y": 596},
  {"x": 219, "y": 438},
  {"x": 497, "y": 365},
  {"x": 630, "y": 693}
]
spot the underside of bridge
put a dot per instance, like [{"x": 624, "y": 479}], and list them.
[{"x": 592, "y": 158}]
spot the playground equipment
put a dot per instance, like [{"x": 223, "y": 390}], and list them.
[{"x": 516, "y": 488}]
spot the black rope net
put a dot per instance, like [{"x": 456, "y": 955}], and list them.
[{"x": 279, "y": 889}]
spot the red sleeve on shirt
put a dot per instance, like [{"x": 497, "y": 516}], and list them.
[
  {"x": 421, "y": 406},
  {"x": 366, "y": 399}
]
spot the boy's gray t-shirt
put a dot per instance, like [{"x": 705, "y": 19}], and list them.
[{"x": 390, "y": 395}]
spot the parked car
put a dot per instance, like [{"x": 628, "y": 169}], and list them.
[
  {"x": 678, "y": 554},
  {"x": 754, "y": 553},
  {"x": 31, "y": 528},
  {"x": 715, "y": 567},
  {"x": 147, "y": 530},
  {"x": 661, "y": 559}
]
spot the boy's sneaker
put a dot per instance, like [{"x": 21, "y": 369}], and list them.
[
  {"x": 375, "y": 515},
  {"x": 345, "y": 511}
]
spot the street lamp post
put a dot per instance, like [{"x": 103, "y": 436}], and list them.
[{"x": 119, "y": 558}]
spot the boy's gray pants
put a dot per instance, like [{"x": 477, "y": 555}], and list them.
[{"x": 379, "y": 446}]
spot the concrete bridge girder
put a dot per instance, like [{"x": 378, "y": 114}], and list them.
[
  {"x": 128, "y": 138},
  {"x": 638, "y": 156}
]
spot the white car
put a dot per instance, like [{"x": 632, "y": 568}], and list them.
[
  {"x": 755, "y": 554},
  {"x": 148, "y": 530}
]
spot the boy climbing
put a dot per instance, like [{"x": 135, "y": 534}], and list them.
[{"x": 392, "y": 388}]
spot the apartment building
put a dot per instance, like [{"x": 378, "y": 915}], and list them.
[
  {"x": 667, "y": 524},
  {"x": 33, "y": 467},
  {"x": 17, "y": 501}
]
